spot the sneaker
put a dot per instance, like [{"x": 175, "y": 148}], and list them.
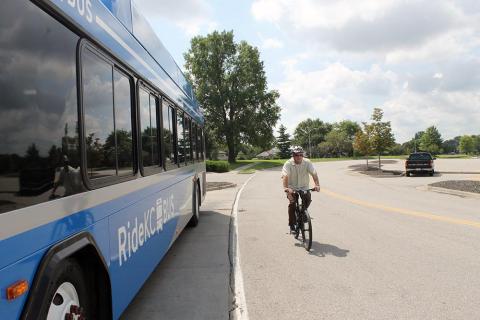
[{"x": 292, "y": 228}]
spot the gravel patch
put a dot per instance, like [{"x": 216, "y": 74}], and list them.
[
  {"x": 461, "y": 185},
  {"x": 219, "y": 185}
]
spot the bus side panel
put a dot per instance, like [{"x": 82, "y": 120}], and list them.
[
  {"x": 25, "y": 269},
  {"x": 141, "y": 234},
  {"x": 21, "y": 270}
]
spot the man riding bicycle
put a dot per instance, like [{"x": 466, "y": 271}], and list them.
[{"x": 295, "y": 177}]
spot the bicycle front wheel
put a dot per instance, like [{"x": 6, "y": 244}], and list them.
[{"x": 307, "y": 231}]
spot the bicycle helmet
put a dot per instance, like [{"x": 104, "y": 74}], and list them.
[{"x": 297, "y": 150}]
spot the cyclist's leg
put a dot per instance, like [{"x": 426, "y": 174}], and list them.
[
  {"x": 308, "y": 199},
  {"x": 291, "y": 209}
]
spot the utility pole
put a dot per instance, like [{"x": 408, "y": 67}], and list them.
[
  {"x": 415, "y": 143},
  {"x": 309, "y": 146}
]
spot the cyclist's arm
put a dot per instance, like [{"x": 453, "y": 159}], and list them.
[
  {"x": 285, "y": 184},
  {"x": 317, "y": 183}
]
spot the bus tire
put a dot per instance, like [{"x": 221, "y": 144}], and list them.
[
  {"x": 196, "y": 208},
  {"x": 68, "y": 295}
]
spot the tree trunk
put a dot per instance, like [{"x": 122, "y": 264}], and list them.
[
  {"x": 231, "y": 149},
  {"x": 366, "y": 157},
  {"x": 379, "y": 163}
]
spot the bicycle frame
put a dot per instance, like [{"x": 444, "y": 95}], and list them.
[{"x": 303, "y": 220}]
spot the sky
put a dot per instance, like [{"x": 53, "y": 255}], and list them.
[{"x": 338, "y": 59}]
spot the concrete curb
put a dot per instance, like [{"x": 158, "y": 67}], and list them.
[
  {"x": 453, "y": 192},
  {"x": 458, "y": 172},
  {"x": 246, "y": 166},
  {"x": 238, "y": 310}
]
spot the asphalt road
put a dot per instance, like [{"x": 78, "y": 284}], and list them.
[{"x": 384, "y": 248}]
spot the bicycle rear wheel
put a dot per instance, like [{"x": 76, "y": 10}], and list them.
[{"x": 306, "y": 230}]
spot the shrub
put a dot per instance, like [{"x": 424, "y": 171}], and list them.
[{"x": 217, "y": 166}]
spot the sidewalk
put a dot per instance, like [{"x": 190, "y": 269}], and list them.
[{"x": 193, "y": 280}]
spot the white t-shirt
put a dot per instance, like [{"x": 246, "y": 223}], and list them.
[
  {"x": 298, "y": 174},
  {"x": 71, "y": 179}
]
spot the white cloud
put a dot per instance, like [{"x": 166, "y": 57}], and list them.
[
  {"x": 268, "y": 10},
  {"x": 362, "y": 25},
  {"x": 338, "y": 93},
  {"x": 453, "y": 113},
  {"x": 271, "y": 43},
  {"x": 451, "y": 44},
  {"x": 332, "y": 94}
]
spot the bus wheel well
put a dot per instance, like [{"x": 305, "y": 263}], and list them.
[
  {"x": 199, "y": 190},
  {"x": 82, "y": 251},
  {"x": 98, "y": 281}
]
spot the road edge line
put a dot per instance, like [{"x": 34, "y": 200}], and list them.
[{"x": 238, "y": 310}]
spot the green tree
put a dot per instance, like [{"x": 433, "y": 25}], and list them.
[
  {"x": 450, "y": 146},
  {"x": 231, "y": 86},
  {"x": 120, "y": 148},
  {"x": 467, "y": 144},
  {"x": 310, "y": 133},
  {"x": 476, "y": 143},
  {"x": 381, "y": 136},
  {"x": 408, "y": 147},
  {"x": 346, "y": 130},
  {"x": 337, "y": 143},
  {"x": 212, "y": 145},
  {"x": 248, "y": 151},
  {"x": 95, "y": 155},
  {"x": 32, "y": 153},
  {"x": 283, "y": 142},
  {"x": 397, "y": 150},
  {"x": 362, "y": 143},
  {"x": 54, "y": 156},
  {"x": 431, "y": 141},
  {"x": 414, "y": 144},
  {"x": 349, "y": 127}
]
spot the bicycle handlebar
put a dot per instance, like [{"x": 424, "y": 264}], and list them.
[{"x": 295, "y": 191}]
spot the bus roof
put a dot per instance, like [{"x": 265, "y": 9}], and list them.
[{"x": 124, "y": 32}]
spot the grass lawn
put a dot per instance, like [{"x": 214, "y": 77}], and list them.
[
  {"x": 454, "y": 156},
  {"x": 265, "y": 164}
]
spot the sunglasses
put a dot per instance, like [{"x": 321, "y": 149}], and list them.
[{"x": 298, "y": 154}]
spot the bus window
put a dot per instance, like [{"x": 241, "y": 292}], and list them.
[
  {"x": 149, "y": 130},
  {"x": 98, "y": 116},
  {"x": 107, "y": 118},
  {"x": 123, "y": 123},
  {"x": 180, "y": 139},
  {"x": 168, "y": 136},
  {"x": 201, "y": 142},
  {"x": 38, "y": 106},
  {"x": 194, "y": 141},
  {"x": 187, "y": 138}
]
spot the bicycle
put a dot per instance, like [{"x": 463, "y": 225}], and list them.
[{"x": 303, "y": 225}]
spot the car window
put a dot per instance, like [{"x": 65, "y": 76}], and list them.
[{"x": 420, "y": 156}]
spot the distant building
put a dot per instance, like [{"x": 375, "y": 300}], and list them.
[
  {"x": 222, "y": 155},
  {"x": 269, "y": 154}
]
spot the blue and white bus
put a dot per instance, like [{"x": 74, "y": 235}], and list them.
[{"x": 102, "y": 160}]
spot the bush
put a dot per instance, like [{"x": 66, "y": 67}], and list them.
[{"x": 217, "y": 166}]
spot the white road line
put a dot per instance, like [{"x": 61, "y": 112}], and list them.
[{"x": 240, "y": 312}]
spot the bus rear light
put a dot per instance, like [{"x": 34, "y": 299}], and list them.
[{"x": 17, "y": 289}]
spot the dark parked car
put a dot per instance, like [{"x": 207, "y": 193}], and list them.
[{"x": 419, "y": 162}]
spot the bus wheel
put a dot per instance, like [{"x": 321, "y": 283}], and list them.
[
  {"x": 196, "y": 209},
  {"x": 68, "y": 294}
]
